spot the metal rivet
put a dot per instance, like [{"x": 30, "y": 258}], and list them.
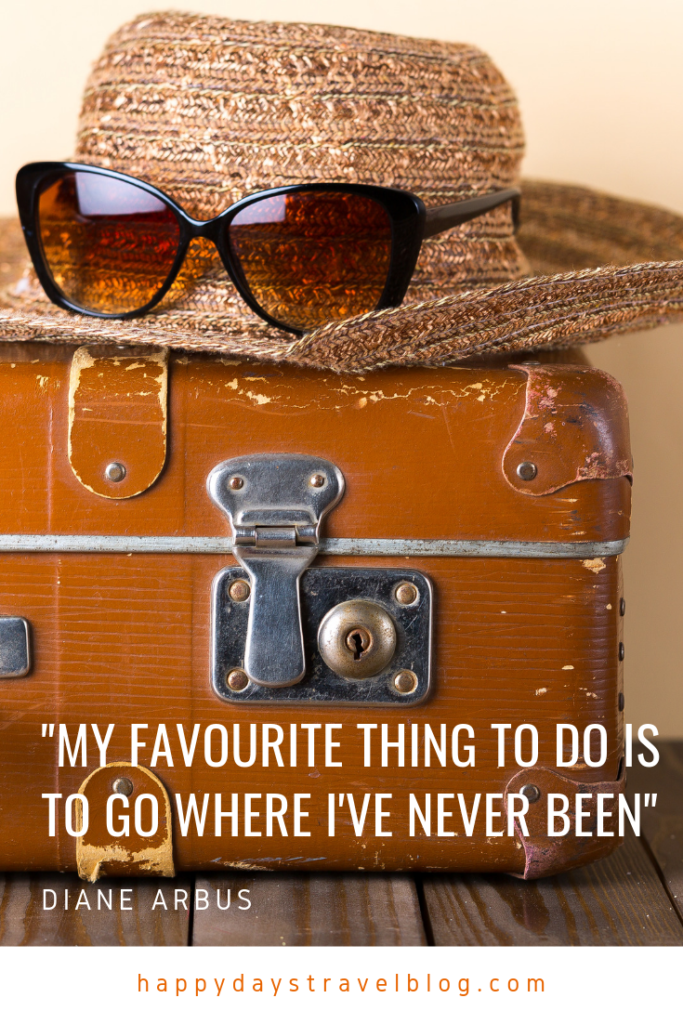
[
  {"x": 239, "y": 591},
  {"x": 621, "y": 702},
  {"x": 115, "y": 472},
  {"x": 622, "y": 607},
  {"x": 531, "y": 792},
  {"x": 317, "y": 480},
  {"x": 527, "y": 470},
  {"x": 235, "y": 483},
  {"x": 122, "y": 786},
  {"x": 406, "y": 593},
  {"x": 405, "y": 681},
  {"x": 237, "y": 680},
  {"x": 621, "y": 651}
]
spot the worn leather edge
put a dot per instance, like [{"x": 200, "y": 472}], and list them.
[
  {"x": 92, "y": 861},
  {"x": 85, "y": 358},
  {"x": 574, "y": 427},
  {"x": 547, "y": 855}
]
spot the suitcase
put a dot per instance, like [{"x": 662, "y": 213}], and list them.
[{"x": 266, "y": 617}]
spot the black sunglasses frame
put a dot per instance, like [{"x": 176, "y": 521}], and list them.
[{"x": 411, "y": 222}]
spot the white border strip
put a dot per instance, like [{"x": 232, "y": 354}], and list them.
[{"x": 102, "y": 544}]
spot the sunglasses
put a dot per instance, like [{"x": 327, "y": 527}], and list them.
[{"x": 108, "y": 245}]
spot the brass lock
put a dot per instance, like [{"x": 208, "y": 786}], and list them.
[{"x": 357, "y": 639}]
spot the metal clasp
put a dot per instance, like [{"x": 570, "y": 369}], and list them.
[{"x": 275, "y": 504}]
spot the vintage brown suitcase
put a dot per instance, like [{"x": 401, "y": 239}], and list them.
[{"x": 421, "y": 555}]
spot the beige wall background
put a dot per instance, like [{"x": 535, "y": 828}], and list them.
[{"x": 601, "y": 88}]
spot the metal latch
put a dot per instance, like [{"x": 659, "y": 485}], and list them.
[
  {"x": 275, "y": 504},
  {"x": 15, "y": 647},
  {"x": 367, "y": 634}
]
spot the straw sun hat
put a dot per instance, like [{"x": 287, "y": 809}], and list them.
[{"x": 211, "y": 110}]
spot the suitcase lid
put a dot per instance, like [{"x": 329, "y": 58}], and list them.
[{"x": 529, "y": 453}]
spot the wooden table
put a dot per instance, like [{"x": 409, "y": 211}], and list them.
[{"x": 634, "y": 897}]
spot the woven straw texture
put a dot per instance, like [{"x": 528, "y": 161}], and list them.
[{"x": 211, "y": 110}]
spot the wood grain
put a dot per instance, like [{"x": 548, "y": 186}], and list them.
[
  {"x": 618, "y": 901},
  {"x": 662, "y": 825},
  {"x": 310, "y": 910},
  {"x": 24, "y": 922}
]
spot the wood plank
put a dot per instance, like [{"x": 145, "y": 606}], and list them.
[
  {"x": 309, "y": 910},
  {"x": 618, "y": 901},
  {"x": 130, "y": 922},
  {"x": 662, "y": 825}
]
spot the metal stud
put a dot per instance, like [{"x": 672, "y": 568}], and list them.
[
  {"x": 406, "y": 593},
  {"x": 122, "y": 786},
  {"x": 527, "y": 470},
  {"x": 317, "y": 480},
  {"x": 115, "y": 472},
  {"x": 237, "y": 680},
  {"x": 235, "y": 483},
  {"x": 531, "y": 792},
  {"x": 405, "y": 681},
  {"x": 239, "y": 591},
  {"x": 622, "y": 653},
  {"x": 622, "y": 607},
  {"x": 621, "y": 701}
]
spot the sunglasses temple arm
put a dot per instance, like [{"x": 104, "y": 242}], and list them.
[{"x": 441, "y": 218}]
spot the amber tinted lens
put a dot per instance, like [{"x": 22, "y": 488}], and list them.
[
  {"x": 109, "y": 245},
  {"x": 312, "y": 257}
]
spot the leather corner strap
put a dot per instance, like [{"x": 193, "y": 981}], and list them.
[
  {"x": 574, "y": 427},
  {"x": 117, "y": 421},
  {"x": 549, "y": 855},
  {"x": 140, "y": 804}
]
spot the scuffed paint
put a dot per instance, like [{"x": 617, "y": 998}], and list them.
[
  {"x": 242, "y": 865},
  {"x": 574, "y": 428},
  {"x": 92, "y": 861},
  {"x": 81, "y": 360},
  {"x": 156, "y": 859},
  {"x": 595, "y": 565},
  {"x": 155, "y": 365},
  {"x": 332, "y": 388}
]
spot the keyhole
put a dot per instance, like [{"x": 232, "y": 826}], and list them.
[{"x": 358, "y": 642}]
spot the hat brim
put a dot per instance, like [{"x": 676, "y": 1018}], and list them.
[{"x": 602, "y": 266}]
